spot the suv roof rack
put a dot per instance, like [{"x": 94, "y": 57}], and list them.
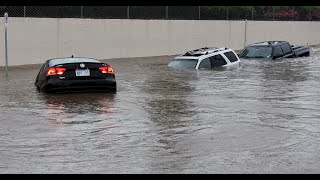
[{"x": 204, "y": 51}]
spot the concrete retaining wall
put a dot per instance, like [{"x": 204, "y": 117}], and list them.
[{"x": 33, "y": 40}]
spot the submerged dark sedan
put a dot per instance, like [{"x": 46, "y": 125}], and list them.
[{"x": 75, "y": 74}]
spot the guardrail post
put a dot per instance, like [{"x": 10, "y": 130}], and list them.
[
  {"x": 273, "y": 14},
  {"x": 167, "y": 13},
  {"x": 252, "y": 13},
  {"x": 6, "y": 40},
  {"x": 81, "y": 11},
  {"x": 245, "y": 34},
  {"x": 227, "y": 13},
  {"x": 128, "y": 12}
]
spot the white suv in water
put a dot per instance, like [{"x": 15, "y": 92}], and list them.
[{"x": 206, "y": 58}]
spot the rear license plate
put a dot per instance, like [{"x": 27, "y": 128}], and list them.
[{"x": 82, "y": 72}]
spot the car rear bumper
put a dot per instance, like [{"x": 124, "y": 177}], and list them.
[{"x": 56, "y": 85}]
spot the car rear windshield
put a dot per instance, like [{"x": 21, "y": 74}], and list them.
[
  {"x": 54, "y": 62},
  {"x": 183, "y": 63},
  {"x": 256, "y": 52}
]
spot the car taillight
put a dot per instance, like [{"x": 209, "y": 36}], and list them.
[
  {"x": 60, "y": 70},
  {"x": 55, "y": 71},
  {"x": 106, "y": 69}
]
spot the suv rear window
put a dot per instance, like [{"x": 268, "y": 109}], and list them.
[{"x": 230, "y": 55}]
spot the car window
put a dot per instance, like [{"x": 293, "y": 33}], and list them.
[
  {"x": 217, "y": 61},
  {"x": 286, "y": 48},
  {"x": 278, "y": 51},
  {"x": 183, "y": 63},
  {"x": 256, "y": 52},
  {"x": 205, "y": 64},
  {"x": 57, "y": 61},
  {"x": 231, "y": 56}
]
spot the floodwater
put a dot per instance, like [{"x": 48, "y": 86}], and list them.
[{"x": 263, "y": 117}]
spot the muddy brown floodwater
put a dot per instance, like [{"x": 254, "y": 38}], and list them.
[{"x": 263, "y": 117}]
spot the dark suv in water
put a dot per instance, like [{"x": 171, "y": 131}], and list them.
[{"x": 274, "y": 50}]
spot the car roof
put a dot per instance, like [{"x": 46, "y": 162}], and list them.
[
  {"x": 186, "y": 57},
  {"x": 66, "y": 60},
  {"x": 267, "y": 43},
  {"x": 198, "y": 53}
]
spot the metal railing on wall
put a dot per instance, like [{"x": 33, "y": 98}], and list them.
[{"x": 293, "y": 13}]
